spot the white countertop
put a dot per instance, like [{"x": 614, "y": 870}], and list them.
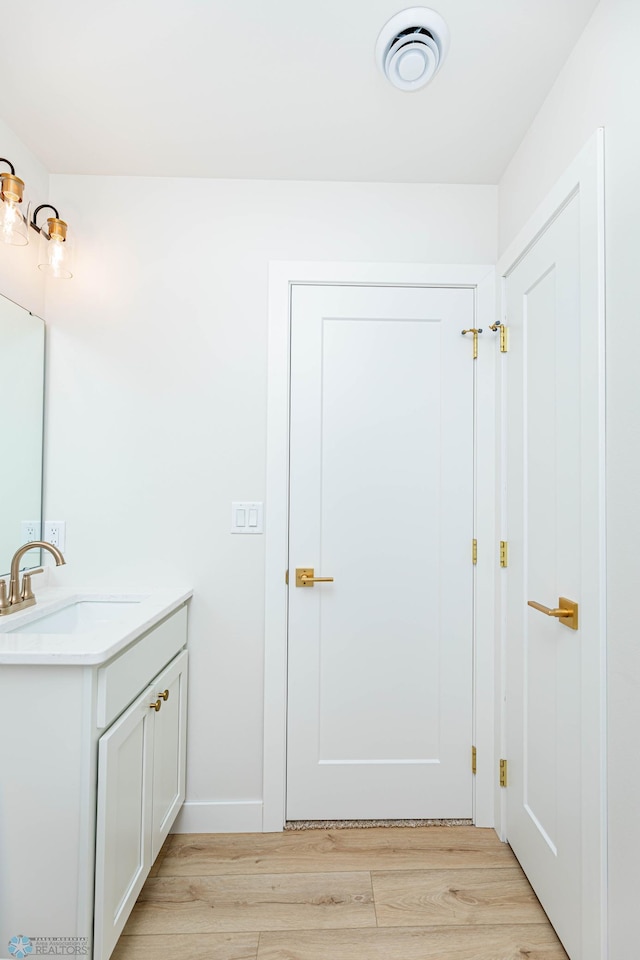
[{"x": 87, "y": 648}]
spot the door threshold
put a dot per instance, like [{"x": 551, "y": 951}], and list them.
[{"x": 364, "y": 824}]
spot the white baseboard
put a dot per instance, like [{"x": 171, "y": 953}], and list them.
[{"x": 240, "y": 816}]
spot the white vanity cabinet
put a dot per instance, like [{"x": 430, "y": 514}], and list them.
[
  {"x": 141, "y": 774},
  {"x": 92, "y": 775}
]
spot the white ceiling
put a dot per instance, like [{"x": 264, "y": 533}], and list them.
[{"x": 275, "y": 89}]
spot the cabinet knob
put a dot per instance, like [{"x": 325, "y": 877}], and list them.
[
  {"x": 156, "y": 706},
  {"x": 165, "y": 695}
]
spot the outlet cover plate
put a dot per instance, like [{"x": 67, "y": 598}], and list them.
[
  {"x": 55, "y": 533},
  {"x": 30, "y": 530}
]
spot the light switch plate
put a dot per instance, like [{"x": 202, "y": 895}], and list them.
[{"x": 247, "y": 516}]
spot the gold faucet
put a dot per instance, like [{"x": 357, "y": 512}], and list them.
[{"x": 21, "y": 595}]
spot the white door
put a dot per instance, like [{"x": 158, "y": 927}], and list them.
[
  {"x": 554, "y": 552},
  {"x": 381, "y": 500}
]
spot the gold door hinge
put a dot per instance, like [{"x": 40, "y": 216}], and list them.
[
  {"x": 474, "y": 551},
  {"x": 504, "y": 336},
  {"x": 504, "y": 553},
  {"x": 286, "y": 577},
  {"x": 503, "y": 773},
  {"x": 473, "y": 759},
  {"x": 475, "y": 331}
]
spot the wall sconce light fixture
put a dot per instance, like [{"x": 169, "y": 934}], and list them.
[
  {"x": 14, "y": 228},
  {"x": 55, "y": 253}
]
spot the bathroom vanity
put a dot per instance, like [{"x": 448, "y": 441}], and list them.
[{"x": 93, "y": 703}]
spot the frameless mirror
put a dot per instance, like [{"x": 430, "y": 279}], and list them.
[{"x": 22, "y": 405}]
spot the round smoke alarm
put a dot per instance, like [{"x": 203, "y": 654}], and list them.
[{"x": 411, "y": 47}]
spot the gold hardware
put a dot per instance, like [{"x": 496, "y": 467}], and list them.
[
  {"x": 164, "y": 695},
  {"x": 4, "y": 602},
  {"x": 57, "y": 228},
  {"x": 504, "y": 335},
  {"x": 475, "y": 331},
  {"x": 503, "y": 773},
  {"x": 473, "y": 759},
  {"x": 504, "y": 553},
  {"x": 12, "y": 188},
  {"x": 26, "y": 592},
  {"x": 566, "y": 611},
  {"x": 286, "y": 577},
  {"x": 155, "y": 706},
  {"x": 305, "y": 577},
  {"x": 21, "y": 594},
  {"x": 474, "y": 551}
]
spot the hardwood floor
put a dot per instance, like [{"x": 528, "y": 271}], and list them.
[{"x": 428, "y": 893}]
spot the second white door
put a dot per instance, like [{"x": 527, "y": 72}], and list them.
[
  {"x": 381, "y": 500},
  {"x": 554, "y": 663}
]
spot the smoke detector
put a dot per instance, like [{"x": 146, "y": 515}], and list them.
[{"x": 411, "y": 47}]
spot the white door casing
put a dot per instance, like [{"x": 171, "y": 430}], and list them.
[
  {"x": 283, "y": 278},
  {"x": 381, "y": 497},
  {"x": 553, "y": 463}
]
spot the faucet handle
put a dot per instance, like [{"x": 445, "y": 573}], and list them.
[
  {"x": 4, "y": 601},
  {"x": 27, "y": 593}
]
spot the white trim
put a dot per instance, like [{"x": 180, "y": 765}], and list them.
[
  {"x": 281, "y": 276},
  {"x": 485, "y": 526},
  {"x": 585, "y": 177},
  {"x": 239, "y": 816}
]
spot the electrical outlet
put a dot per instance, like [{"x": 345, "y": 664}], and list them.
[
  {"x": 54, "y": 532},
  {"x": 30, "y": 530}
]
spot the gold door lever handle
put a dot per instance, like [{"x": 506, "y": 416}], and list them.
[
  {"x": 566, "y": 611},
  {"x": 305, "y": 577}
]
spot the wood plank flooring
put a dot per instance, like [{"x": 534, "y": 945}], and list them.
[{"x": 428, "y": 893}]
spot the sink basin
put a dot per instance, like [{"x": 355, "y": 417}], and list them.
[{"x": 81, "y": 616}]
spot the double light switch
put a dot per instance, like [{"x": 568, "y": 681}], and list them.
[{"x": 247, "y": 516}]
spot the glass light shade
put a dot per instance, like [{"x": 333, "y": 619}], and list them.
[
  {"x": 55, "y": 255},
  {"x": 14, "y": 214}
]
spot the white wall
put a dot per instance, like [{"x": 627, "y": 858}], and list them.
[
  {"x": 600, "y": 86},
  {"x": 20, "y": 279},
  {"x": 156, "y": 403}
]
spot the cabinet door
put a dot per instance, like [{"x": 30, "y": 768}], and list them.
[
  {"x": 169, "y": 754},
  {"x": 123, "y": 828}
]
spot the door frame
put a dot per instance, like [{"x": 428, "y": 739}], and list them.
[
  {"x": 584, "y": 178},
  {"x": 282, "y": 276}
]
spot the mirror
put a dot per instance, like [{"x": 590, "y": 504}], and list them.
[{"x": 22, "y": 405}]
